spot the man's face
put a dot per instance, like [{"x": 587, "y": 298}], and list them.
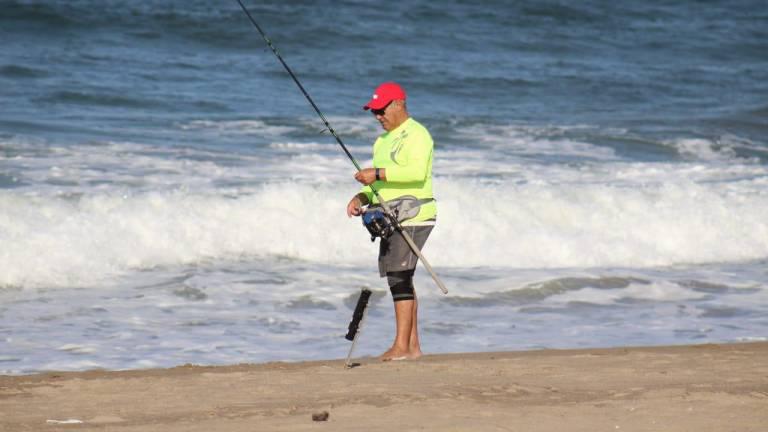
[{"x": 387, "y": 115}]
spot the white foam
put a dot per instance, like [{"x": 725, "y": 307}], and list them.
[
  {"x": 69, "y": 241},
  {"x": 237, "y": 127},
  {"x": 721, "y": 149},
  {"x": 90, "y": 212},
  {"x": 130, "y": 167},
  {"x": 661, "y": 291},
  {"x": 67, "y": 365},
  {"x": 697, "y": 148},
  {"x": 64, "y": 242},
  {"x": 301, "y": 146},
  {"x": 344, "y": 126},
  {"x": 77, "y": 349},
  {"x": 597, "y": 225},
  {"x": 525, "y": 140}
]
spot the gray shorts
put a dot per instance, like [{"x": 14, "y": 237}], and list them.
[{"x": 396, "y": 255}]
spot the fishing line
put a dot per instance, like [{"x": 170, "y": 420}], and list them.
[
  {"x": 301, "y": 87},
  {"x": 328, "y": 127}
]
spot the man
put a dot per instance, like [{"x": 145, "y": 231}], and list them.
[{"x": 402, "y": 169}]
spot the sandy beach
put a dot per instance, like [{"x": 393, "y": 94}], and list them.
[{"x": 680, "y": 388}]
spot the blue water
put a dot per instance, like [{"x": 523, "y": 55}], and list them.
[{"x": 167, "y": 194}]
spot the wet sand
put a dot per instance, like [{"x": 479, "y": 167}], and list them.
[{"x": 682, "y": 388}]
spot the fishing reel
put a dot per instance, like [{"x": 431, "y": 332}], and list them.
[{"x": 378, "y": 224}]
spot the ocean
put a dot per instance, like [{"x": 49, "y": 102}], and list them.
[{"x": 168, "y": 196}]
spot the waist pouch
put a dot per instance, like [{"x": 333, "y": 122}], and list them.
[{"x": 379, "y": 224}]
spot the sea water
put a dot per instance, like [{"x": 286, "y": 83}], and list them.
[{"x": 168, "y": 196}]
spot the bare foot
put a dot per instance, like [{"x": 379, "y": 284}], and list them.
[
  {"x": 395, "y": 354},
  {"x": 399, "y": 354}
]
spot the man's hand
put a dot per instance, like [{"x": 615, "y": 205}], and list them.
[
  {"x": 355, "y": 207},
  {"x": 368, "y": 175}
]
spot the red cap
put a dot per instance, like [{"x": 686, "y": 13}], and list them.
[{"x": 384, "y": 94}]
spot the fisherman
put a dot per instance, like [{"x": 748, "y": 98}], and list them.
[{"x": 402, "y": 174}]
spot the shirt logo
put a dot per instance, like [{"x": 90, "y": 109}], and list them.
[{"x": 397, "y": 146}]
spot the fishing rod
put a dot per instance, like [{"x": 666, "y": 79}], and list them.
[{"x": 384, "y": 205}]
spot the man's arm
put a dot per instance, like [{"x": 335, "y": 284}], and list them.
[{"x": 369, "y": 175}]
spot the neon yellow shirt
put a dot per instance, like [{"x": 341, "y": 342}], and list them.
[{"x": 406, "y": 154}]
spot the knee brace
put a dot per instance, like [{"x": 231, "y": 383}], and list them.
[{"x": 401, "y": 285}]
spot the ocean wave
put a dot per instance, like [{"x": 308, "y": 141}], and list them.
[
  {"x": 761, "y": 111},
  {"x": 48, "y": 14},
  {"x": 725, "y": 148},
  {"x": 540, "y": 140},
  {"x": 79, "y": 239},
  {"x": 558, "y": 294},
  {"x": 15, "y": 71},
  {"x": 281, "y": 150},
  {"x": 703, "y": 149},
  {"x": 76, "y": 213},
  {"x": 560, "y": 12},
  {"x": 222, "y": 25},
  {"x": 238, "y": 127},
  {"x": 100, "y": 99},
  {"x": 538, "y": 291}
]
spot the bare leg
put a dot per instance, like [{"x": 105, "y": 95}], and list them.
[
  {"x": 404, "y": 321},
  {"x": 414, "y": 347},
  {"x": 406, "y": 344}
]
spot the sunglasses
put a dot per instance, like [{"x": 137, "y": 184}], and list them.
[{"x": 380, "y": 112}]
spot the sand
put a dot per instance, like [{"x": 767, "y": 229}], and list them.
[{"x": 682, "y": 388}]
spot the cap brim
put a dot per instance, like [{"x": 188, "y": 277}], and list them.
[{"x": 376, "y": 104}]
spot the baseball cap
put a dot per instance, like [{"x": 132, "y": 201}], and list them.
[{"x": 384, "y": 94}]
